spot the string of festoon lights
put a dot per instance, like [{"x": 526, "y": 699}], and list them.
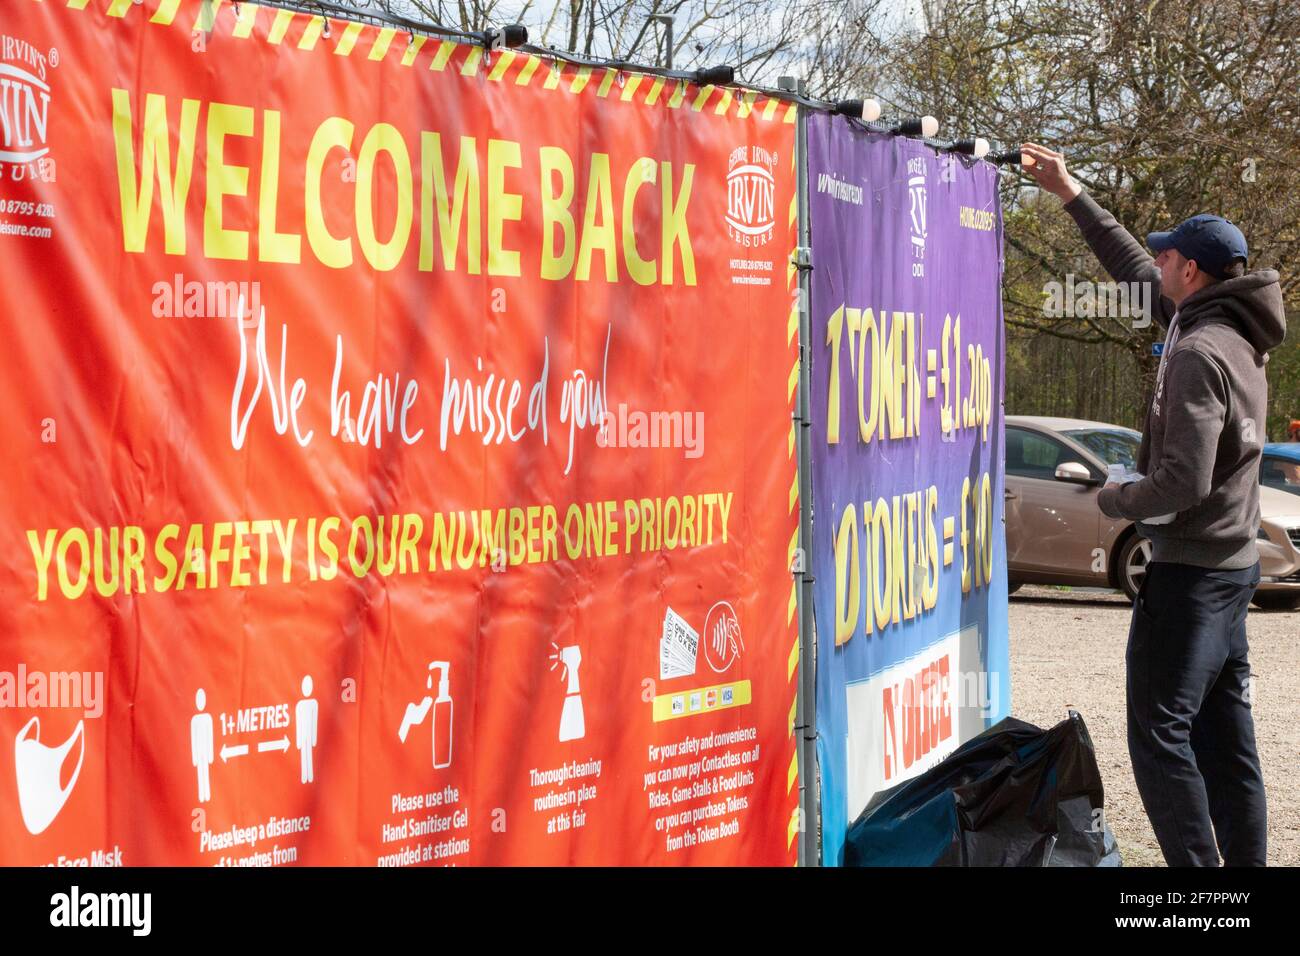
[
  {"x": 926, "y": 127},
  {"x": 514, "y": 36}
]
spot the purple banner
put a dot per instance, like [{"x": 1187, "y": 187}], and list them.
[{"x": 909, "y": 553}]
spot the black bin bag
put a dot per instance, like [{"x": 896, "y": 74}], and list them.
[{"x": 1016, "y": 795}]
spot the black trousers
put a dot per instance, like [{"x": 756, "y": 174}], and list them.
[{"x": 1191, "y": 735}]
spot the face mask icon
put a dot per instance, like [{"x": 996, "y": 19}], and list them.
[{"x": 38, "y": 769}]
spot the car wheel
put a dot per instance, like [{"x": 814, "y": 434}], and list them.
[
  {"x": 1274, "y": 601},
  {"x": 1133, "y": 560}
]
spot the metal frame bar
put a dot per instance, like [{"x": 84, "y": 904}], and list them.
[{"x": 806, "y": 711}]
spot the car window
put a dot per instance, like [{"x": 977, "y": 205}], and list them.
[
  {"x": 1112, "y": 446},
  {"x": 1031, "y": 455},
  {"x": 1281, "y": 473}
]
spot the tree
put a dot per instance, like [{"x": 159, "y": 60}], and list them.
[{"x": 1163, "y": 111}]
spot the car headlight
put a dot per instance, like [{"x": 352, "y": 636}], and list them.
[{"x": 1287, "y": 527}]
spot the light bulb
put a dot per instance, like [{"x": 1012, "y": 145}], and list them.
[{"x": 868, "y": 110}]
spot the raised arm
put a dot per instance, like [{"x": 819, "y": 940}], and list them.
[{"x": 1122, "y": 256}]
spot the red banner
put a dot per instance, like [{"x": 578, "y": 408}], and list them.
[{"x": 399, "y": 452}]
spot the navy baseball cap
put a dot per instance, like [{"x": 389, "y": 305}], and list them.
[{"x": 1212, "y": 241}]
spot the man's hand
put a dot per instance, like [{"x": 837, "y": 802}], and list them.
[{"x": 1048, "y": 170}]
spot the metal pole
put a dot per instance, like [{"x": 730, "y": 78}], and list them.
[
  {"x": 667, "y": 21},
  {"x": 806, "y": 710}
]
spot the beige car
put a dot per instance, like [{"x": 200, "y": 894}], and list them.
[{"x": 1056, "y": 534}]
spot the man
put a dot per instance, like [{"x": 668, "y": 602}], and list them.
[
  {"x": 201, "y": 752},
  {"x": 1191, "y": 736},
  {"x": 305, "y": 714}
]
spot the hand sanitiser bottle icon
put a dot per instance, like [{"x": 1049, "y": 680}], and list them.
[
  {"x": 440, "y": 725},
  {"x": 442, "y": 718},
  {"x": 572, "y": 723}
]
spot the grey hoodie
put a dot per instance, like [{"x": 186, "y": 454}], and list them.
[{"x": 1205, "y": 426}]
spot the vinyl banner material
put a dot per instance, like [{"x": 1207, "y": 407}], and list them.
[
  {"x": 397, "y": 450},
  {"x": 909, "y": 553}
]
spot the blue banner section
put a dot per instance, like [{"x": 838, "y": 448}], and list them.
[{"x": 909, "y": 551}]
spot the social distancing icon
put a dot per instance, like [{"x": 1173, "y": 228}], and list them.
[{"x": 253, "y": 731}]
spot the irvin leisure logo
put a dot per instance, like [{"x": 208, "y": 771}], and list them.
[
  {"x": 24, "y": 109},
  {"x": 751, "y": 196}
]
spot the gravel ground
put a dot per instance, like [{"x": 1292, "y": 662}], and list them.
[{"x": 1067, "y": 649}]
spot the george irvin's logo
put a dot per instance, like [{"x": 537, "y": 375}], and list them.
[
  {"x": 916, "y": 174},
  {"x": 751, "y": 196},
  {"x": 24, "y": 104}
]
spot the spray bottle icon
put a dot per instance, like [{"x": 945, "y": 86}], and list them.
[{"x": 573, "y": 725}]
